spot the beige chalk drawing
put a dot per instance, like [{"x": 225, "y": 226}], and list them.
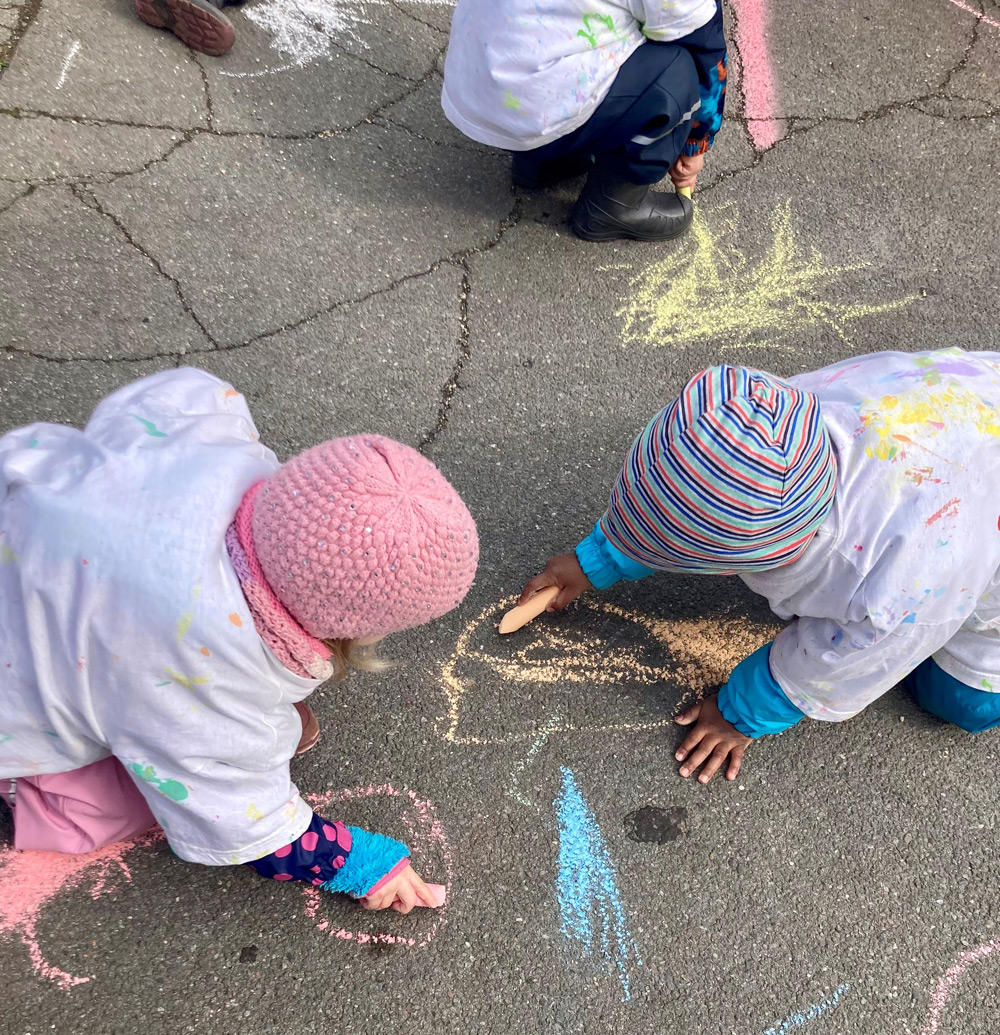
[
  {"x": 624, "y": 649},
  {"x": 709, "y": 291}
]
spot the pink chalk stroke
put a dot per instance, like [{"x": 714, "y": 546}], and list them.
[
  {"x": 30, "y": 880},
  {"x": 426, "y": 837},
  {"x": 979, "y": 14},
  {"x": 950, "y": 978},
  {"x": 758, "y": 78}
]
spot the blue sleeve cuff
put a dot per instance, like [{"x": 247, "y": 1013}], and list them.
[
  {"x": 372, "y": 857},
  {"x": 604, "y": 564},
  {"x": 753, "y": 701}
]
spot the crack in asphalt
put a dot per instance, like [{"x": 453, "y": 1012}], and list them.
[
  {"x": 209, "y": 109},
  {"x": 796, "y": 126},
  {"x": 88, "y": 198},
  {"x": 26, "y": 17},
  {"x": 464, "y": 349},
  {"x": 420, "y": 21}
]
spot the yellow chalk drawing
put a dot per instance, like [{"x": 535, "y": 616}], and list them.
[
  {"x": 7, "y": 555},
  {"x": 716, "y": 295},
  {"x": 186, "y": 681},
  {"x": 254, "y": 813},
  {"x": 185, "y": 620},
  {"x": 510, "y": 101},
  {"x": 558, "y": 649}
]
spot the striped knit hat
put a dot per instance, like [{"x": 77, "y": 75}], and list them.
[{"x": 735, "y": 475}]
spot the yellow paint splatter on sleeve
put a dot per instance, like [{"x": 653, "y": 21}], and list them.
[
  {"x": 190, "y": 682},
  {"x": 185, "y": 620}
]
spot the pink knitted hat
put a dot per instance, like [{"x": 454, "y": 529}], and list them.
[{"x": 362, "y": 536}]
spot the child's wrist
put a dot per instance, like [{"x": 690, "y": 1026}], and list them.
[{"x": 373, "y": 858}]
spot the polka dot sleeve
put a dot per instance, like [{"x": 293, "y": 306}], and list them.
[{"x": 335, "y": 857}]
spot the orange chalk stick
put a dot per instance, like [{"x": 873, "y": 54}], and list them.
[{"x": 524, "y": 613}]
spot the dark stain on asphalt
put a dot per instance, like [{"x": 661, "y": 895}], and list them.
[
  {"x": 248, "y": 954},
  {"x": 655, "y": 825}
]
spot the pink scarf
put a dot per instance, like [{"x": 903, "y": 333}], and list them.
[{"x": 292, "y": 645}]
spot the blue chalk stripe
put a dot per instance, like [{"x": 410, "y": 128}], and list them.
[
  {"x": 587, "y": 886},
  {"x": 797, "y": 1020}
]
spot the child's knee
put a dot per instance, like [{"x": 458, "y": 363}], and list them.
[{"x": 941, "y": 694}]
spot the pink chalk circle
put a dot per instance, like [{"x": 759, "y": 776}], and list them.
[
  {"x": 423, "y": 832},
  {"x": 282, "y": 876},
  {"x": 309, "y": 840},
  {"x": 283, "y": 851}
]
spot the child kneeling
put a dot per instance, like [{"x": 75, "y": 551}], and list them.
[
  {"x": 860, "y": 500},
  {"x": 169, "y": 596}
]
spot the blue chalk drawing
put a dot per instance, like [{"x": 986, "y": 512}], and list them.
[
  {"x": 798, "y": 1020},
  {"x": 590, "y": 905}
]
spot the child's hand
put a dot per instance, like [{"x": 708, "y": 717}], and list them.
[
  {"x": 715, "y": 740},
  {"x": 563, "y": 571},
  {"x": 407, "y": 887},
  {"x": 684, "y": 172}
]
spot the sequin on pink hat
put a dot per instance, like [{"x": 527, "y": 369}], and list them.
[{"x": 363, "y": 536}]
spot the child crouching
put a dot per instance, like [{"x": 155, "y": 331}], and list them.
[
  {"x": 625, "y": 90},
  {"x": 170, "y": 595}
]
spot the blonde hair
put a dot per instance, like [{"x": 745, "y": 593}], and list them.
[{"x": 350, "y": 653}]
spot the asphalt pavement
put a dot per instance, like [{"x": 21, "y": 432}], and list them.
[{"x": 299, "y": 218}]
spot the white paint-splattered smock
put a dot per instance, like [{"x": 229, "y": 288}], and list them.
[
  {"x": 907, "y": 564},
  {"x": 520, "y": 74},
  {"x": 123, "y": 628},
  {"x": 905, "y": 567}
]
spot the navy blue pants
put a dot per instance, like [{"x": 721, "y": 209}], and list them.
[
  {"x": 639, "y": 129},
  {"x": 944, "y": 696}
]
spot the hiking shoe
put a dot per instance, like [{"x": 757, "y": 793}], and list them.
[
  {"x": 198, "y": 23},
  {"x": 310, "y": 728},
  {"x": 610, "y": 208}
]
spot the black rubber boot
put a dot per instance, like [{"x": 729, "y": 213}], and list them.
[
  {"x": 610, "y": 208},
  {"x": 531, "y": 174}
]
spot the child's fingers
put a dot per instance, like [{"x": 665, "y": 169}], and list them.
[
  {"x": 425, "y": 896},
  {"x": 691, "y": 741},
  {"x": 566, "y": 597},
  {"x": 705, "y": 748},
  {"x": 719, "y": 756},
  {"x": 534, "y": 585},
  {"x": 735, "y": 761},
  {"x": 376, "y": 901},
  {"x": 688, "y": 716},
  {"x": 407, "y": 898}
]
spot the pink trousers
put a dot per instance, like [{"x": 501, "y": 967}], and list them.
[{"x": 76, "y": 812}]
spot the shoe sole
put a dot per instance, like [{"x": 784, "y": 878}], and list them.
[{"x": 195, "y": 23}]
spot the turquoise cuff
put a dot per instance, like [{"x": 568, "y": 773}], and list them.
[
  {"x": 753, "y": 701},
  {"x": 604, "y": 564},
  {"x": 372, "y": 857}
]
